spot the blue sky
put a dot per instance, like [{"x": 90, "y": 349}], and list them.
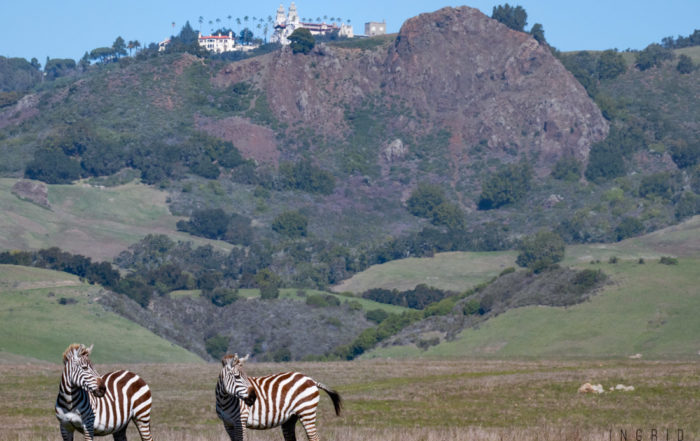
[{"x": 68, "y": 28}]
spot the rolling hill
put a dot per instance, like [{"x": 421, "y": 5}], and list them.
[
  {"x": 44, "y": 311},
  {"x": 647, "y": 308}
]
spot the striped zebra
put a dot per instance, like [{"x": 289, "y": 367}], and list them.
[
  {"x": 100, "y": 405},
  {"x": 266, "y": 402}
]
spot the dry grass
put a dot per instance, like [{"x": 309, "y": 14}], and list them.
[{"x": 406, "y": 400}]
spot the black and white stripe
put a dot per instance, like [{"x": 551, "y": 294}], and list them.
[
  {"x": 100, "y": 405},
  {"x": 270, "y": 401}
]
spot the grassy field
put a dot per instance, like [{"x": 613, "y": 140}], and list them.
[
  {"x": 406, "y": 400},
  {"x": 456, "y": 271},
  {"x": 92, "y": 221},
  {"x": 43, "y": 311}
]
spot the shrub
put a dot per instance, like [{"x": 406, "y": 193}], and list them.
[
  {"x": 291, "y": 224},
  {"x": 307, "y": 177},
  {"x": 216, "y": 346},
  {"x": 567, "y": 169},
  {"x": 471, "y": 307},
  {"x": 667, "y": 260},
  {"x": 506, "y": 186},
  {"x": 301, "y": 41},
  {"x": 53, "y": 167},
  {"x": 653, "y": 56},
  {"x": 222, "y": 296},
  {"x": 586, "y": 279},
  {"x": 688, "y": 205},
  {"x": 376, "y": 315},
  {"x": 658, "y": 184},
  {"x": 685, "y": 64},
  {"x": 425, "y": 199},
  {"x": 541, "y": 251},
  {"x": 628, "y": 227}
]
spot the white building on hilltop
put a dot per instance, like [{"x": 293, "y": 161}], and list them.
[
  {"x": 217, "y": 43},
  {"x": 285, "y": 24}
]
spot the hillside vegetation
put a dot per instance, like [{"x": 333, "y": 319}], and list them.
[
  {"x": 94, "y": 221},
  {"x": 646, "y": 307},
  {"x": 44, "y": 311}
]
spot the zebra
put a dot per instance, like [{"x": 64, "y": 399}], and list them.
[
  {"x": 100, "y": 405},
  {"x": 266, "y": 402}
]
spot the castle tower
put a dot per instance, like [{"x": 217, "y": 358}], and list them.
[
  {"x": 280, "y": 18},
  {"x": 293, "y": 18}
]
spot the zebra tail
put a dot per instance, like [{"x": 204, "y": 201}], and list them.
[{"x": 335, "y": 397}]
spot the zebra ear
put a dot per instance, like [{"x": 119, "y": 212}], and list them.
[
  {"x": 247, "y": 356},
  {"x": 88, "y": 351}
]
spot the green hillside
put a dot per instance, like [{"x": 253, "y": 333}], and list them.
[
  {"x": 647, "y": 308},
  {"x": 43, "y": 311},
  {"x": 81, "y": 216},
  {"x": 456, "y": 271},
  {"x": 637, "y": 313}
]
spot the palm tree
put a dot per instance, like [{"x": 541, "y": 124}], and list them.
[
  {"x": 229, "y": 20},
  {"x": 238, "y": 22},
  {"x": 201, "y": 20},
  {"x": 211, "y": 27},
  {"x": 265, "y": 29}
]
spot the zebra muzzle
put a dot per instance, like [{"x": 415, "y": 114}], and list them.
[
  {"x": 100, "y": 390},
  {"x": 250, "y": 399}
]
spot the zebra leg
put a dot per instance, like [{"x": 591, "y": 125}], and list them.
[
  {"x": 309, "y": 423},
  {"x": 66, "y": 434},
  {"x": 235, "y": 431},
  {"x": 120, "y": 436},
  {"x": 288, "y": 429},
  {"x": 143, "y": 425}
]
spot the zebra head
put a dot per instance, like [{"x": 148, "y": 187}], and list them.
[
  {"x": 235, "y": 380},
  {"x": 78, "y": 370}
]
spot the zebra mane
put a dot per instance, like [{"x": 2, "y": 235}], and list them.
[
  {"x": 77, "y": 347},
  {"x": 232, "y": 360}
]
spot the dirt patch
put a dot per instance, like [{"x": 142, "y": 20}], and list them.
[
  {"x": 253, "y": 141},
  {"x": 33, "y": 191}
]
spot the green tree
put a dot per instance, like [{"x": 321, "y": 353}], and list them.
[
  {"x": 537, "y": 33},
  {"x": 269, "y": 284},
  {"x": 58, "y": 67},
  {"x": 567, "y": 168},
  {"x": 424, "y": 199},
  {"x": 541, "y": 251},
  {"x": 628, "y": 227},
  {"x": 513, "y": 17},
  {"x": 119, "y": 47},
  {"x": 653, "y": 56},
  {"x": 685, "y": 64},
  {"x": 611, "y": 64},
  {"x": 302, "y": 41},
  {"x": 246, "y": 36},
  {"x": 52, "y": 167},
  {"x": 216, "y": 346},
  {"x": 508, "y": 185},
  {"x": 291, "y": 224}
]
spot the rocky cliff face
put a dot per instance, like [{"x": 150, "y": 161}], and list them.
[
  {"x": 453, "y": 69},
  {"x": 489, "y": 83}
]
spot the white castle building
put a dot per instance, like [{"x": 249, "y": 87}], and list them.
[{"x": 285, "y": 24}]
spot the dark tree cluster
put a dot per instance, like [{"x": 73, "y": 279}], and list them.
[
  {"x": 606, "y": 159},
  {"x": 681, "y": 42},
  {"x": 305, "y": 176},
  {"x": 506, "y": 186},
  {"x": 53, "y": 258},
  {"x": 79, "y": 150},
  {"x": 429, "y": 201},
  {"x": 514, "y": 17},
  {"x": 215, "y": 223},
  {"x": 417, "y": 298}
]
